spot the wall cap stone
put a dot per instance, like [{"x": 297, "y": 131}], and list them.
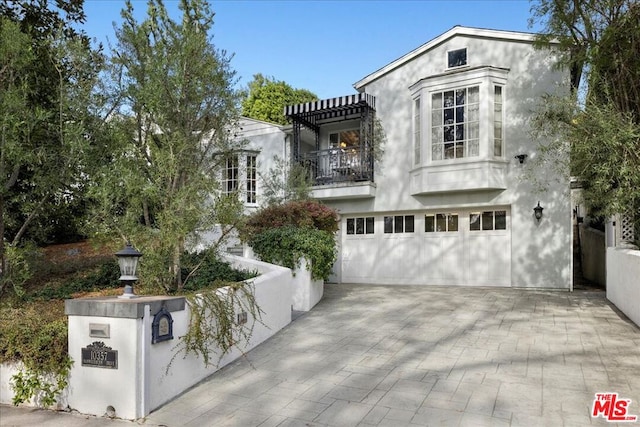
[{"x": 119, "y": 307}]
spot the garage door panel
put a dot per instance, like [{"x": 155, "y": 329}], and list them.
[{"x": 469, "y": 254}]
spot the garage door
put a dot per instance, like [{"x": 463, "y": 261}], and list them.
[{"x": 471, "y": 247}]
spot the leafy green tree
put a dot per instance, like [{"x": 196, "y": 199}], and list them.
[
  {"x": 43, "y": 133},
  {"x": 175, "y": 112},
  {"x": 266, "y": 98},
  {"x": 595, "y": 134}
]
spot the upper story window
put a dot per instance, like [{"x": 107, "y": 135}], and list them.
[
  {"x": 457, "y": 58},
  {"x": 455, "y": 124},
  {"x": 497, "y": 122},
  {"x": 417, "y": 142},
  {"x": 240, "y": 176},
  {"x": 344, "y": 139},
  {"x": 230, "y": 175},
  {"x": 252, "y": 175}
]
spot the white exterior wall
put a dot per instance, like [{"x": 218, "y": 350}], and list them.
[
  {"x": 540, "y": 252},
  {"x": 149, "y": 375},
  {"x": 623, "y": 270}
]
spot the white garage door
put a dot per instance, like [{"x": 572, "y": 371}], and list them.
[{"x": 471, "y": 247}]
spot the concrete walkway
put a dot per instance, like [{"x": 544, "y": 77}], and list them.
[{"x": 407, "y": 355}]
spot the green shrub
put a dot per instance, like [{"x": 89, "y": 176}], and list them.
[
  {"x": 204, "y": 270},
  {"x": 105, "y": 276},
  {"x": 36, "y": 335},
  {"x": 286, "y": 245},
  {"x": 301, "y": 214}
]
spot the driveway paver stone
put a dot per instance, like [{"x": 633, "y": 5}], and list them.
[{"x": 421, "y": 356}]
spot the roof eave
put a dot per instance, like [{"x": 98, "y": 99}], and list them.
[{"x": 455, "y": 31}]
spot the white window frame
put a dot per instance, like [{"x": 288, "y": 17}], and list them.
[
  {"x": 251, "y": 161},
  {"x": 485, "y": 77},
  {"x": 365, "y": 232},
  {"x": 465, "y": 125},
  {"x": 466, "y": 62},
  {"x": 417, "y": 131}
]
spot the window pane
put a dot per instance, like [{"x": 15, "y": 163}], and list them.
[
  {"x": 408, "y": 223},
  {"x": 472, "y": 113},
  {"x": 436, "y": 152},
  {"x": 473, "y": 95},
  {"x": 449, "y": 151},
  {"x": 441, "y": 222},
  {"x": 452, "y": 222},
  {"x": 350, "y": 226},
  {"x": 497, "y": 147},
  {"x": 388, "y": 224},
  {"x": 460, "y": 96},
  {"x": 333, "y": 140},
  {"x": 498, "y": 94},
  {"x": 487, "y": 220},
  {"x": 436, "y": 101},
  {"x": 436, "y": 118},
  {"x": 459, "y": 132},
  {"x": 501, "y": 220},
  {"x": 457, "y": 58},
  {"x": 448, "y": 99},
  {"x": 449, "y": 133},
  {"x": 473, "y": 130},
  {"x": 474, "y": 221},
  {"x": 459, "y": 150},
  {"x": 436, "y": 135},
  {"x": 429, "y": 223},
  {"x": 448, "y": 116},
  {"x": 369, "y": 224},
  {"x": 398, "y": 224},
  {"x": 459, "y": 114},
  {"x": 473, "y": 147},
  {"x": 359, "y": 225}
]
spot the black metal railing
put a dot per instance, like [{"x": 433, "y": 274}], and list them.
[{"x": 339, "y": 165}]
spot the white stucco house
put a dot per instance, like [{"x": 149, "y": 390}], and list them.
[{"x": 446, "y": 201}]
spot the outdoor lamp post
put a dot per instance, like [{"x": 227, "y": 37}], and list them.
[
  {"x": 128, "y": 261},
  {"x": 537, "y": 211}
]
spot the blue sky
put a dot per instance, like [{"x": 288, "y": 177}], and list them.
[{"x": 324, "y": 46}]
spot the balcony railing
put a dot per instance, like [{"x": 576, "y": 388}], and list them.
[{"x": 339, "y": 165}]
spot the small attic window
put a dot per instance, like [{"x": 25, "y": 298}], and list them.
[{"x": 457, "y": 58}]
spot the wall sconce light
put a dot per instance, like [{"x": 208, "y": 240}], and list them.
[
  {"x": 537, "y": 212},
  {"x": 128, "y": 261},
  {"x": 521, "y": 158}
]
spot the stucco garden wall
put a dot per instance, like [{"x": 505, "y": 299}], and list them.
[
  {"x": 623, "y": 270},
  {"x": 149, "y": 375}
]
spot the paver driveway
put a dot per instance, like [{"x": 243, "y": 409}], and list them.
[{"x": 408, "y": 355}]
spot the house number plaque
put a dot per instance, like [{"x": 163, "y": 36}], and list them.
[
  {"x": 98, "y": 355},
  {"x": 162, "y": 326}
]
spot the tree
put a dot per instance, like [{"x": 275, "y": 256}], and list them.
[
  {"x": 596, "y": 134},
  {"x": 176, "y": 108},
  {"x": 266, "y": 98},
  {"x": 47, "y": 72},
  {"x": 577, "y": 27}
]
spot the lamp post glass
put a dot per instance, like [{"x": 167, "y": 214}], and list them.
[{"x": 128, "y": 261}]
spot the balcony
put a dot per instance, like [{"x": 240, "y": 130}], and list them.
[
  {"x": 338, "y": 165},
  {"x": 337, "y": 145},
  {"x": 340, "y": 174}
]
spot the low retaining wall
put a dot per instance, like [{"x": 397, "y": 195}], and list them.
[
  {"x": 623, "y": 289},
  {"x": 148, "y": 375}
]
